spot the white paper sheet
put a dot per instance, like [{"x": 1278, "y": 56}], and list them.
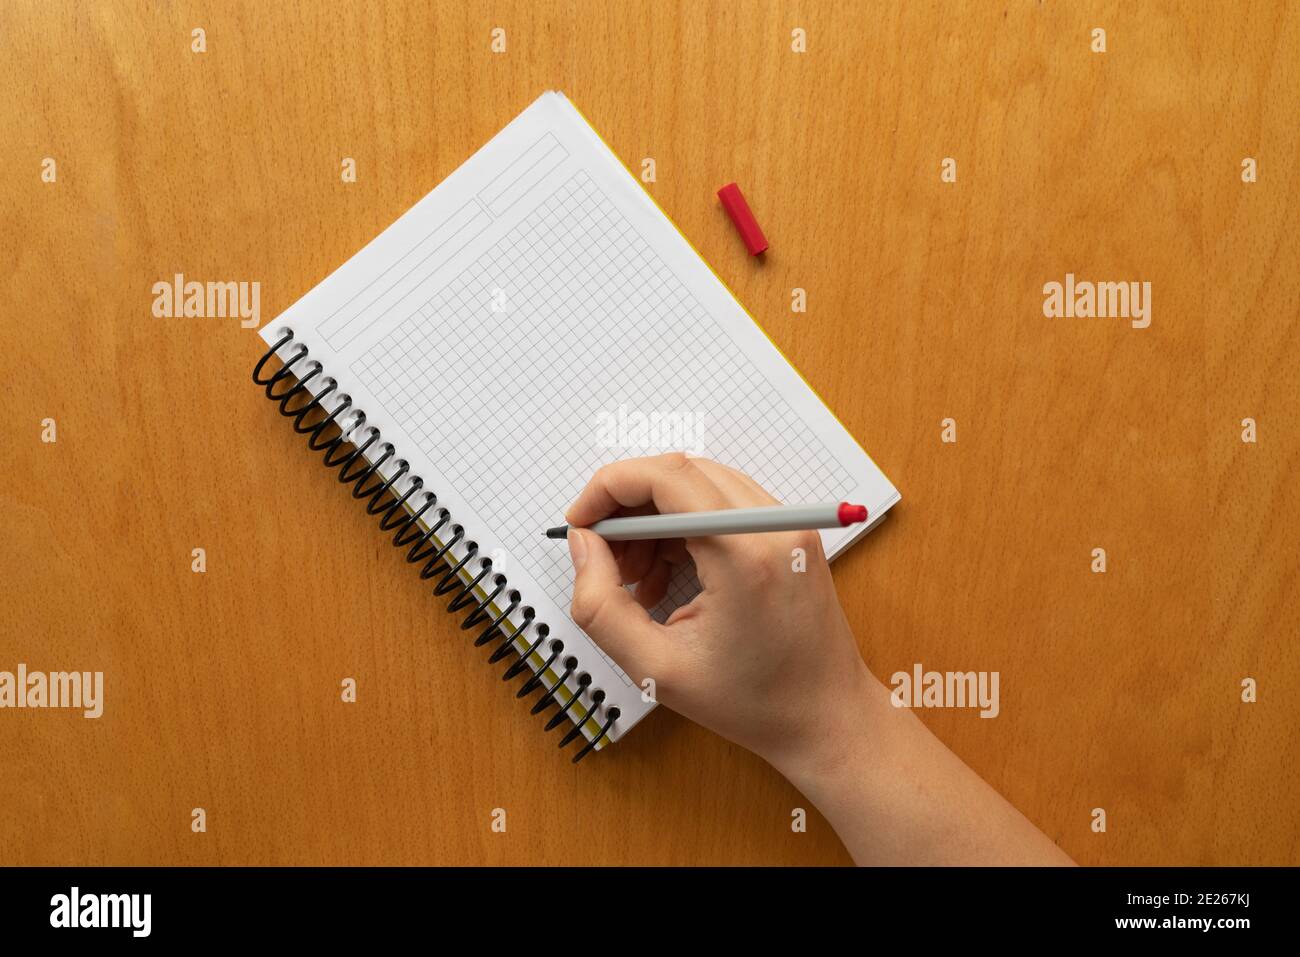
[{"x": 537, "y": 316}]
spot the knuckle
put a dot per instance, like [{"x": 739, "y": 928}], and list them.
[
  {"x": 600, "y": 477},
  {"x": 809, "y": 541},
  {"x": 585, "y": 608},
  {"x": 676, "y": 461},
  {"x": 755, "y": 565}
]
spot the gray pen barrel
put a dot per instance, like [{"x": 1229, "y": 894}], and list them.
[{"x": 731, "y": 521}]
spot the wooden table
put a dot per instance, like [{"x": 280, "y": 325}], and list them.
[{"x": 1119, "y": 690}]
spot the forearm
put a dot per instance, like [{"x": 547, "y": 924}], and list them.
[{"x": 896, "y": 795}]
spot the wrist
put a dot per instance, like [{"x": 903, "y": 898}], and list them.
[{"x": 837, "y": 738}]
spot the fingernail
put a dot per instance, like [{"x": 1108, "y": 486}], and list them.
[{"x": 577, "y": 549}]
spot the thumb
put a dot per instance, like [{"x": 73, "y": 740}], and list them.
[{"x": 607, "y": 611}]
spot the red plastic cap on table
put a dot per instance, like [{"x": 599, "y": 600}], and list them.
[{"x": 733, "y": 201}]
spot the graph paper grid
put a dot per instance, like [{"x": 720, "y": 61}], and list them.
[{"x": 512, "y": 375}]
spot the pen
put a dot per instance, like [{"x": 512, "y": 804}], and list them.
[{"x": 729, "y": 521}]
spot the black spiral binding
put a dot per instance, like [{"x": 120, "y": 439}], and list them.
[{"x": 458, "y": 578}]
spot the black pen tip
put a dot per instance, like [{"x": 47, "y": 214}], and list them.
[{"x": 560, "y": 531}]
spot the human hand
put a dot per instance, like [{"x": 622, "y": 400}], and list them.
[{"x": 763, "y": 655}]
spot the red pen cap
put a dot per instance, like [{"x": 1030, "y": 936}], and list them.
[
  {"x": 852, "y": 514},
  {"x": 733, "y": 201}
]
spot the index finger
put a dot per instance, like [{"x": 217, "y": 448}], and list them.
[{"x": 671, "y": 482}]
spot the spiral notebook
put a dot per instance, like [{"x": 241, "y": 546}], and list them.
[{"x": 532, "y": 318}]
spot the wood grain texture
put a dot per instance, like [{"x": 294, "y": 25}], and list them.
[{"x": 1119, "y": 691}]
